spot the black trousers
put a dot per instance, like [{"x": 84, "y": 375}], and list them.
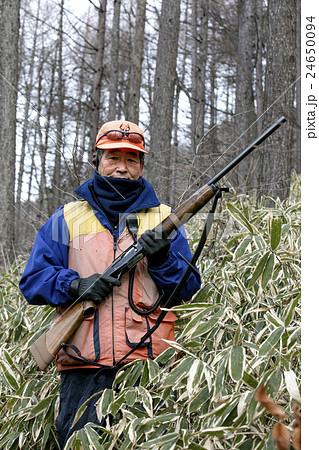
[{"x": 76, "y": 387}]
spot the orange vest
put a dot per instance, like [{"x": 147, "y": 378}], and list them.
[{"x": 108, "y": 335}]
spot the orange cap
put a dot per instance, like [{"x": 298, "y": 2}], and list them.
[{"x": 119, "y": 125}]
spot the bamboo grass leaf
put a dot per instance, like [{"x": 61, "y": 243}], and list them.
[
  {"x": 199, "y": 400},
  {"x": 275, "y": 320},
  {"x": 46, "y": 435},
  {"x": 164, "y": 357},
  {"x": 146, "y": 400},
  {"x": 291, "y": 310},
  {"x": 104, "y": 402},
  {"x": 188, "y": 307},
  {"x": 271, "y": 341},
  {"x": 42, "y": 406},
  {"x": 268, "y": 270},
  {"x": 237, "y": 362},
  {"x": 161, "y": 440},
  {"x": 220, "y": 375},
  {"x": 275, "y": 233},
  {"x": 291, "y": 384},
  {"x": 9, "y": 359},
  {"x": 239, "y": 216},
  {"x": 7, "y": 441},
  {"x": 195, "y": 385},
  {"x": 208, "y": 325},
  {"x": 117, "y": 403},
  {"x": 79, "y": 414},
  {"x": 216, "y": 431},
  {"x": 250, "y": 380},
  {"x": 178, "y": 373},
  {"x": 131, "y": 397},
  {"x": 81, "y": 441},
  {"x": 194, "y": 376},
  {"x": 203, "y": 294},
  {"x": 241, "y": 248},
  {"x": 195, "y": 321},
  {"x": 259, "y": 269},
  {"x": 22, "y": 439},
  {"x": 159, "y": 419},
  {"x": 9, "y": 375},
  {"x": 37, "y": 426},
  {"x": 274, "y": 383},
  {"x": 93, "y": 437}
]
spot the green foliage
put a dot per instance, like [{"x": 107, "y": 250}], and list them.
[
  {"x": 29, "y": 398},
  {"x": 241, "y": 331}
]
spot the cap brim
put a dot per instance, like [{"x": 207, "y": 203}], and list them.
[{"x": 121, "y": 144}]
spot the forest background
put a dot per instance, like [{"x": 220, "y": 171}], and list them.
[{"x": 202, "y": 79}]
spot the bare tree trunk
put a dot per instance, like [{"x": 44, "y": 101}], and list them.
[
  {"x": 32, "y": 170},
  {"x": 135, "y": 71},
  {"x": 97, "y": 79},
  {"x": 214, "y": 152},
  {"x": 79, "y": 167},
  {"x": 178, "y": 181},
  {"x": 245, "y": 109},
  {"x": 56, "y": 181},
  {"x": 9, "y": 37},
  {"x": 297, "y": 157},
  {"x": 78, "y": 148},
  {"x": 25, "y": 127},
  {"x": 276, "y": 165},
  {"x": 199, "y": 96},
  {"x": 212, "y": 77},
  {"x": 114, "y": 78},
  {"x": 259, "y": 63},
  {"x": 163, "y": 102},
  {"x": 174, "y": 152},
  {"x": 43, "y": 142},
  {"x": 199, "y": 43},
  {"x": 194, "y": 75}
]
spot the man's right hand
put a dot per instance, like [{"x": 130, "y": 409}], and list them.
[{"x": 93, "y": 288}]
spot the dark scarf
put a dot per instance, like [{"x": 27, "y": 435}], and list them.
[{"x": 116, "y": 195}]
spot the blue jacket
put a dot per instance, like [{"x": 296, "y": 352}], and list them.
[{"x": 46, "y": 277}]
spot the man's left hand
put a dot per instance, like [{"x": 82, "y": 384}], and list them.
[{"x": 156, "y": 245}]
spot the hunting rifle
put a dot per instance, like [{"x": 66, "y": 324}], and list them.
[{"x": 47, "y": 346}]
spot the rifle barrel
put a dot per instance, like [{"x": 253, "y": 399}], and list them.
[
  {"x": 46, "y": 347},
  {"x": 194, "y": 203},
  {"x": 247, "y": 150}
]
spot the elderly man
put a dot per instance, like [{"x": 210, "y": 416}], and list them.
[{"x": 82, "y": 238}]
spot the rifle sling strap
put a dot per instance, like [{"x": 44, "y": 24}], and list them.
[
  {"x": 81, "y": 358},
  {"x": 174, "y": 295}
]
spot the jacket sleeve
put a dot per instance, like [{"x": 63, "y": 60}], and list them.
[
  {"x": 169, "y": 274},
  {"x": 46, "y": 277}
]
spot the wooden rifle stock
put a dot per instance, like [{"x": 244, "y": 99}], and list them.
[{"x": 47, "y": 346}]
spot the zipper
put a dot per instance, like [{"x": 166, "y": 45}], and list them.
[
  {"x": 114, "y": 256},
  {"x": 114, "y": 240},
  {"x": 114, "y": 233}
]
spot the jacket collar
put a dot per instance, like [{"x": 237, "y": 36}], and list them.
[{"x": 147, "y": 199}]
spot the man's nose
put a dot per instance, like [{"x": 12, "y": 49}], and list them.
[{"x": 122, "y": 165}]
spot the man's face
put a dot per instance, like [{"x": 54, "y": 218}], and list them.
[{"x": 121, "y": 163}]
